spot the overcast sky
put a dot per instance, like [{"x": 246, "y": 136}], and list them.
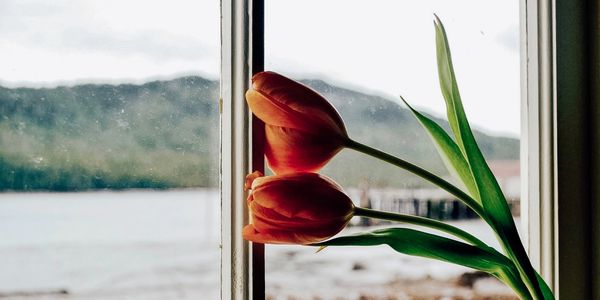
[
  {"x": 107, "y": 40},
  {"x": 384, "y": 46}
]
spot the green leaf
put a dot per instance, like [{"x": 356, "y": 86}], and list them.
[
  {"x": 494, "y": 202},
  {"x": 546, "y": 291},
  {"x": 448, "y": 82},
  {"x": 417, "y": 243},
  {"x": 449, "y": 151}
]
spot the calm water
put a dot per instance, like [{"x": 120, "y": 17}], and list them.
[
  {"x": 151, "y": 245},
  {"x": 117, "y": 245}
]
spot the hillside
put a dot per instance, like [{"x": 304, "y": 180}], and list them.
[
  {"x": 164, "y": 134},
  {"x": 382, "y": 123}
]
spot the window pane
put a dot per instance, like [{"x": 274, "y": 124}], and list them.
[
  {"x": 109, "y": 149},
  {"x": 361, "y": 55}
]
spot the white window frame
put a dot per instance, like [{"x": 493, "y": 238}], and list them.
[
  {"x": 560, "y": 139},
  {"x": 559, "y": 142},
  {"x": 242, "y": 264}
]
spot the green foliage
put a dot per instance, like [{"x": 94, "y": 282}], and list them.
[
  {"x": 450, "y": 153},
  {"x": 155, "y": 135},
  {"x": 463, "y": 157},
  {"x": 164, "y": 134},
  {"x": 417, "y": 243}
]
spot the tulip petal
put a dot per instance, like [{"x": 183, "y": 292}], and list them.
[
  {"x": 280, "y": 236},
  {"x": 274, "y": 113},
  {"x": 250, "y": 179},
  {"x": 289, "y": 150},
  {"x": 298, "y": 97},
  {"x": 307, "y": 196},
  {"x": 297, "y": 208},
  {"x": 271, "y": 219},
  {"x": 303, "y": 130},
  {"x": 308, "y": 178}
]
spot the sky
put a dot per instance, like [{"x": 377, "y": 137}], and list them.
[
  {"x": 61, "y": 41},
  {"x": 383, "y": 47}
]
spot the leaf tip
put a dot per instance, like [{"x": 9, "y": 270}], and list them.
[
  {"x": 406, "y": 103},
  {"x": 438, "y": 24}
]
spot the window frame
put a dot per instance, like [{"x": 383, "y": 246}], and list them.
[
  {"x": 558, "y": 143},
  {"x": 559, "y": 139},
  {"x": 242, "y": 263}
]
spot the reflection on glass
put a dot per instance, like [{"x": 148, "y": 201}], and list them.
[
  {"x": 109, "y": 149},
  {"x": 359, "y": 60}
]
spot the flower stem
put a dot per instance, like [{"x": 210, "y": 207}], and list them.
[
  {"x": 514, "y": 281},
  {"x": 425, "y": 222},
  {"x": 450, "y": 188},
  {"x": 511, "y": 279}
]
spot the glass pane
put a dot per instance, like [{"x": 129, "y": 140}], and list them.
[
  {"x": 109, "y": 149},
  {"x": 361, "y": 55}
]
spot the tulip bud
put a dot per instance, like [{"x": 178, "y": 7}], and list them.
[
  {"x": 303, "y": 130},
  {"x": 296, "y": 208}
]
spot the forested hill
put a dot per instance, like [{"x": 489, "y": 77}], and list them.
[{"x": 164, "y": 134}]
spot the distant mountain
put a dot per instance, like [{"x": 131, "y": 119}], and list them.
[
  {"x": 386, "y": 125},
  {"x": 164, "y": 134},
  {"x": 160, "y": 134}
]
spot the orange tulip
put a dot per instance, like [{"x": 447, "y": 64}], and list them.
[
  {"x": 297, "y": 208},
  {"x": 303, "y": 130}
]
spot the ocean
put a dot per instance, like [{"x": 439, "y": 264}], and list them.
[{"x": 164, "y": 245}]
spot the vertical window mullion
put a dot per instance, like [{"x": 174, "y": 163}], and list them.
[
  {"x": 558, "y": 210},
  {"x": 594, "y": 49},
  {"x": 538, "y": 136},
  {"x": 235, "y": 150},
  {"x": 242, "y": 265},
  {"x": 572, "y": 87},
  {"x": 257, "y": 142}
]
